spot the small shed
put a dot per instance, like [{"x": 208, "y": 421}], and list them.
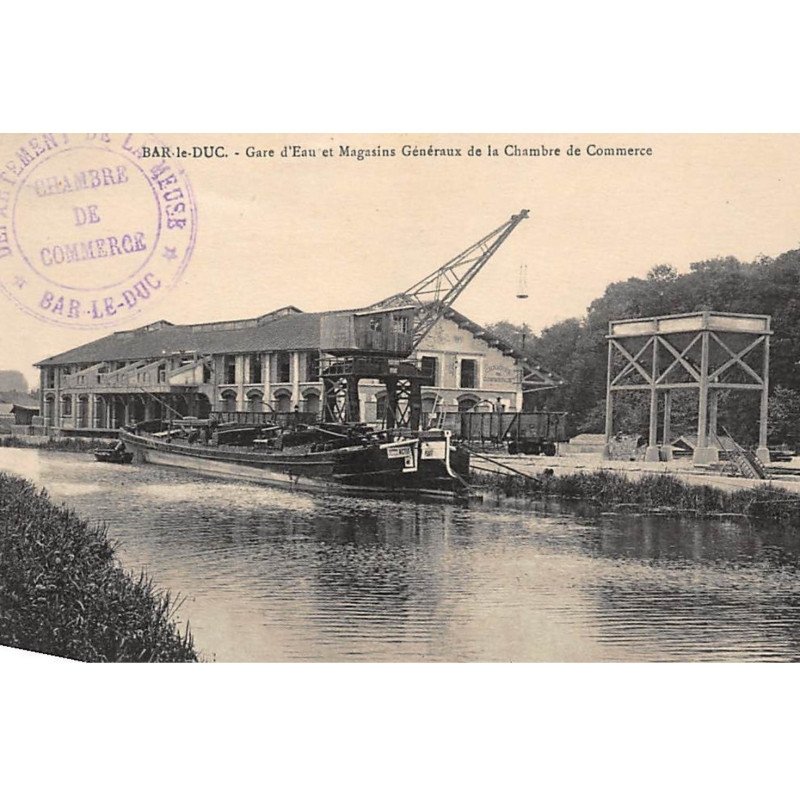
[
  {"x": 23, "y": 415},
  {"x": 686, "y": 444}
]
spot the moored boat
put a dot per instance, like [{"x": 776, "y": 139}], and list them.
[
  {"x": 114, "y": 455},
  {"x": 350, "y": 461}
]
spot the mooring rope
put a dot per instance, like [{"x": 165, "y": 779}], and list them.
[{"x": 501, "y": 465}]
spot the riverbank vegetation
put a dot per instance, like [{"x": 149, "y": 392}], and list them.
[
  {"x": 651, "y": 493},
  {"x": 62, "y": 591},
  {"x": 60, "y": 443}
]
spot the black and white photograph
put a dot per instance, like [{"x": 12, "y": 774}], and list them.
[
  {"x": 399, "y": 401},
  {"x": 400, "y": 398}
]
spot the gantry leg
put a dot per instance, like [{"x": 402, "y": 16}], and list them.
[
  {"x": 704, "y": 454},
  {"x": 762, "y": 452},
  {"x": 667, "y": 433},
  {"x": 652, "y": 452},
  {"x": 609, "y": 405}
]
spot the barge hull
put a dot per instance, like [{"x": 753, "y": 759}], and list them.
[{"x": 316, "y": 475}]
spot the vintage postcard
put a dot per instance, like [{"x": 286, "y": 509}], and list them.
[{"x": 400, "y": 397}]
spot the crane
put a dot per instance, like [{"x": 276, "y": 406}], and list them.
[
  {"x": 434, "y": 294},
  {"x": 371, "y": 343}
]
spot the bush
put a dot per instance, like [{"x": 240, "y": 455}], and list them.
[
  {"x": 654, "y": 492},
  {"x": 62, "y": 591}
]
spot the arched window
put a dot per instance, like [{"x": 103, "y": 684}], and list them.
[
  {"x": 50, "y": 409},
  {"x": 467, "y": 402},
  {"x": 83, "y": 411},
  {"x": 137, "y": 408},
  {"x": 203, "y": 406},
  {"x": 311, "y": 402},
  {"x": 428, "y": 403},
  {"x": 255, "y": 401},
  {"x": 66, "y": 405},
  {"x": 99, "y": 411},
  {"x": 229, "y": 400},
  {"x": 283, "y": 402}
]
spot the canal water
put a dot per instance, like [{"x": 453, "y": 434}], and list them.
[{"x": 268, "y": 575}]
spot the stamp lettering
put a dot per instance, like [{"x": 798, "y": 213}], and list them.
[
  {"x": 140, "y": 290},
  {"x": 86, "y": 215},
  {"x": 5, "y": 250},
  {"x": 94, "y": 248},
  {"x": 94, "y": 178},
  {"x": 109, "y": 309},
  {"x": 136, "y": 225},
  {"x": 60, "y": 305}
]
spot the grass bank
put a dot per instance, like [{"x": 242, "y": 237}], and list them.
[
  {"x": 63, "y": 592},
  {"x": 66, "y": 444},
  {"x": 659, "y": 492}
]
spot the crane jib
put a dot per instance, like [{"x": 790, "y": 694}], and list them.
[{"x": 437, "y": 292}]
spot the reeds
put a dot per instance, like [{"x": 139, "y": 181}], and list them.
[
  {"x": 659, "y": 493},
  {"x": 66, "y": 444},
  {"x": 63, "y": 592}
]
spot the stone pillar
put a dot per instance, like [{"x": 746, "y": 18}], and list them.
[
  {"x": 609, "y": 404},
  {"x": 57, "y": 400},
  {"x": 240, "y": 379},
  {"x": 762, "y": 451},
  {"x": 266, "y": 375},
  {"x": 652, "y": 452},
  {"x": 295, "y": 376},
  {"x": 42, "y": 386}
]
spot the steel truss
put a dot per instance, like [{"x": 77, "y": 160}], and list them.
[{"x": 704, "y": 351}]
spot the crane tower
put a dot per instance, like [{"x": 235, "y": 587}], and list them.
[{"x": 375, "y": 342}]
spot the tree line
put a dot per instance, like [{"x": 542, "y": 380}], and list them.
[{"x": 576, "y": 348}]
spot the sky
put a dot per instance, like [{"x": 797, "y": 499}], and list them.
[{"x": 337, "y": 232}]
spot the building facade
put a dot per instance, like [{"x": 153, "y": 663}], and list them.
[{"x": 266, "y": 364}]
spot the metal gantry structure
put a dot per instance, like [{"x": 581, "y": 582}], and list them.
[
  {"x": 369, "y": 351},
  {"x": 704, "y": 351}
]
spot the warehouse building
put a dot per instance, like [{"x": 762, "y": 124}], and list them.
[{"x": 266, "y": 364}]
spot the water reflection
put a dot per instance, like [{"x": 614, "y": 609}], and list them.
[{"x": 269, "y": 575}]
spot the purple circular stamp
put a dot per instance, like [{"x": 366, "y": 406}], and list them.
[{"x": 92, "y": 232}]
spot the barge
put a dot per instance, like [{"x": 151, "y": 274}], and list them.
[{"x": 346, "y": 461}]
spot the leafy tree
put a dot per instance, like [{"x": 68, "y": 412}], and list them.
[
  {"x": 576, "y": 348},
  {"x": 784, "y": 414}
]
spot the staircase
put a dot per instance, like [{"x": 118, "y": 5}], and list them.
[{"x": 747, "y": 463}]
